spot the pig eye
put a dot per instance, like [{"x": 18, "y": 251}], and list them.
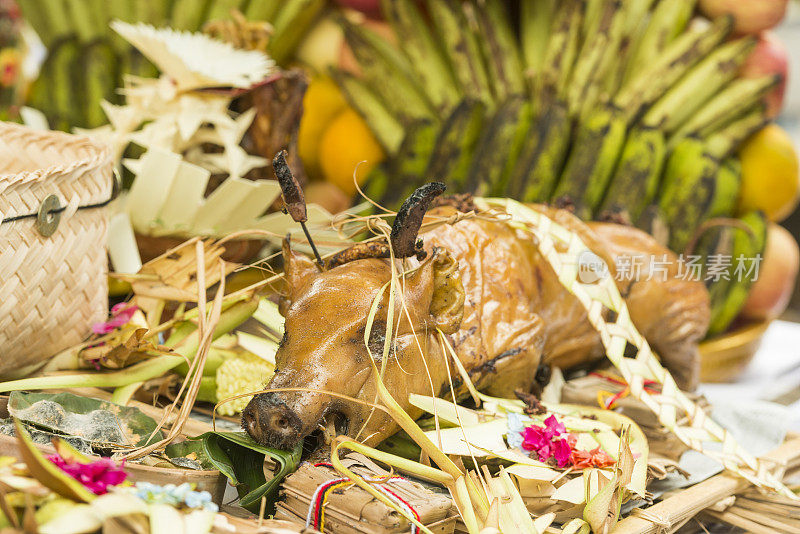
[{"x": 284, "y": 339}]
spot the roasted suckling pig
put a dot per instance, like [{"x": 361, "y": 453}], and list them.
[{"x": 486, "y": 286}]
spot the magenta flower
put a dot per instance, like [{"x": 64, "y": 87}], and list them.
[
  {"x": 121, "y": 314},
  {"x": 562, "y": 452},
  {"x": 550, "y": 441},
  {"x": 96, "y": 476},
  {"x": 554, "y": 427},
  {"x": 534, "y": 438}
]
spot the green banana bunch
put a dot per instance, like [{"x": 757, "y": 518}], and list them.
[
  {"x": 536, "y": 19},
  {"x": 541, "y": 158},
  {"x": 389, "y": 74},
  {"x": 494, "y": 147},
  {"x": 667, "y": 21},
  {"x": 461, "y": 46},
  {"x": 693, "y": 90},
  {"x": 387, "y": 130},
  {"x": 726, "y": 190},
  {"x": 728, "y": 296},
  {"x": 413, "y": 158},
  {"x": 598, "y": 143},
  {"x": 453, "y": 149},
  {"x": 687, "y": 190},
  {"x": 423, "y": 53},
  {"x": 620, "y": 106},
  {"x": 723, "y": 108},
  {"x": 637, "y": 176},
  {"x": 98, "y": 62},
  {"x": 55, "y": 92}
]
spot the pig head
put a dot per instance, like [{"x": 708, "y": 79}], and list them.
[{"x": 324, "y": 347}]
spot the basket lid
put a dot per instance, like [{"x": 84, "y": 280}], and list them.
[{"x": 35, "y": 164}]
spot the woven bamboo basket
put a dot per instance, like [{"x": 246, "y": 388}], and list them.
[{"x": 53, "y": 224}]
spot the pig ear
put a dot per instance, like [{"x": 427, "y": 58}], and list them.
[
  {"x": 299, "y": 268},
  {"x": 440, "y": 277},
  {"x": 447, "y": 303}
]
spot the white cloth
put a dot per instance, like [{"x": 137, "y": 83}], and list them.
[{"x": 773, "y": 373}]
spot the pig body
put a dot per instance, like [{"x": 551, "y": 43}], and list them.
[{"x": 486, "y": 286}]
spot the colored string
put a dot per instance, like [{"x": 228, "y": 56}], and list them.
[{"x": 316, "y": 510}]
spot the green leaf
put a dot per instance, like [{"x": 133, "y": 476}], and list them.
[
  {"x": 241, "y": 459},
  {"x": 101, "y": 423},
  {"x": 182, "y": 449}
]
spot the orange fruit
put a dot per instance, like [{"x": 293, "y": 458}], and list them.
[
  {"x": 770, "y": 174},
  {"x": 321, "y": 104},
  {"x": 346, "y": 143}
]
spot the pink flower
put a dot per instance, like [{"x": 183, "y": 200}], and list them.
[
  {"x": 553, "y": 442},
  {"x": 534, "y": 438},
  {"x": 547, "y": 442},
  {"x": 554, "y": 426},
  {"x": 96, "y": 476},
  {"x": 562, "y": 452},
  {"x": 121, "y": 314}
]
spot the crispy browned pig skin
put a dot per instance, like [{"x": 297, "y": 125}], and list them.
[{"x": 484, "y": 284}]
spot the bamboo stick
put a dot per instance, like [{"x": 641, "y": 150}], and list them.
[
  {"x": 697, "y": 498},
  {"x": 741, "y": 522},
  {"x": 764, "y": 518}
]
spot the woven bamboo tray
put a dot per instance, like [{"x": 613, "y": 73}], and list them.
[{"x": 53, "y": 189}]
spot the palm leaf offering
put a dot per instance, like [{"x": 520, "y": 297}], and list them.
[
  {"x": 194, "y": 61},
  {"x": 195, "y": 177}
]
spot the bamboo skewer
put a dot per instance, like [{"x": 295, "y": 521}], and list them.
[{"x": 697, "y": 498}]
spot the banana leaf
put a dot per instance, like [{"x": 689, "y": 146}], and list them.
[
  {"x": 241, "y": 459},
  {"x": 101, "y": 423},
  {"x": 187, "y": 449}
]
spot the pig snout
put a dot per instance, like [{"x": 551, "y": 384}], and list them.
[{"x": 271, "y": 422}]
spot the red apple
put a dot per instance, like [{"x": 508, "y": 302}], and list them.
[
  {"x": 769, "y": 57},
  {"x": 752, "y": 16},
  {"x": 777, "y": 274},
  {"x": 371, "y": 8}
]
